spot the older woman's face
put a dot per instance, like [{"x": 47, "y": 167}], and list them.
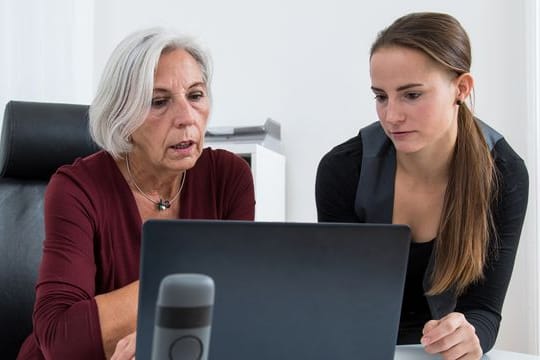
[{"x": 172, "y": 136}]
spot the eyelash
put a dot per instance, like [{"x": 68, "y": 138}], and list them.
[
  {"x": 196, "y": 95},
  {"x": 160, "y": 102},
  {"x": 380, "y": 97},
  {"x": 408, "y": 96},
  {"x": 413, "y": 95}
]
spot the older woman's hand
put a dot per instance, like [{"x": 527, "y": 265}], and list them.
[
  {"x": 453, "y": 337},
  {"x": 125, "y": 348}
]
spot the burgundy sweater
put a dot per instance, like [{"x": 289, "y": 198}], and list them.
[{"x": 92, "y": 242}]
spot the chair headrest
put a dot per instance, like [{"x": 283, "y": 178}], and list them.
[{"x": 37, "y": 138}]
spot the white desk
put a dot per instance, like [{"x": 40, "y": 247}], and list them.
[{"x": 416, "y": 352}]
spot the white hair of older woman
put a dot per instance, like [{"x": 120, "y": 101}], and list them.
[{"x": 124, "y": 94}]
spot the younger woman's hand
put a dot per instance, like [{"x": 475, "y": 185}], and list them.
[{"x": 453, "y": 337}]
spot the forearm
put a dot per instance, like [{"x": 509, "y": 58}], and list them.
[
  {"x": 486, "y": 325},
  {"x": 117, "y": 312},
  {"x": 66, "y": 323}
]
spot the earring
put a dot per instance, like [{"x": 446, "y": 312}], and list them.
[{"x": 459, "y": 102}]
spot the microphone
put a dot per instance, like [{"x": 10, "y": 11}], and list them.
[{"x": 183, "y": 317}]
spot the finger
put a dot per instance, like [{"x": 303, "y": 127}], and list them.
[
  {"x": 123, "y": 354},
  {"x": 125, "y": 348},
  {"x": 120, "y": 345},
  {"x": 119, "y": 354},
  {"x": 445, "y": 327},
  {"x": 429, "y": 325},
  {"x": 455, "y": 352},
  {"x": 472, "y": 356},
  {"x": 461, "y": 343},
  {"x": 129, "y": 349},
  {"x": 448, "y": 344}
]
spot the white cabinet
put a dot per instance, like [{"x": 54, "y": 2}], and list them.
[{"x": 268, "y": 168}]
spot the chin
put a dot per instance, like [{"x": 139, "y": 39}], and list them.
[
  {"x": 407, "y": 148},
  {"x": 188, "y": 163}
]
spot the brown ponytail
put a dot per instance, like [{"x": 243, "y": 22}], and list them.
[{"x": 466, "y": 219}]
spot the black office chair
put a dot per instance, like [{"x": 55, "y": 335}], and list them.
[{"x": 36, "y": 139}]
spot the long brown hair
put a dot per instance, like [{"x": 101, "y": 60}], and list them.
[{"x": 466, "y": 220}]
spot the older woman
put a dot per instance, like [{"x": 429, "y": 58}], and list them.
[{"x": 149, "y": 116}]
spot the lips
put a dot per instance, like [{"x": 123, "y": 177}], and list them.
[
  {"x": 182, "y": 145},
  {"x": 397, "y": 133}
]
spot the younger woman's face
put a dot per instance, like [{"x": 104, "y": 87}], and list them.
[{"x": 415, "y": 99}]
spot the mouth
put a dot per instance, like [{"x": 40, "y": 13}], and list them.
[
  {"x": 401, "y": 132},
  {"x": 182, "y": 145}
]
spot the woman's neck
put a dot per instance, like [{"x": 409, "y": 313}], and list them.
[
  {"x": 430, "y": 165},
  {"x": 148, "y": 180}
]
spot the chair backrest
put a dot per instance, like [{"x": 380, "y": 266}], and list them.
[{"x": 36, "y": 139}]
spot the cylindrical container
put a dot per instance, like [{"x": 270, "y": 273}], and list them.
[{"x": 183, "y": 317}]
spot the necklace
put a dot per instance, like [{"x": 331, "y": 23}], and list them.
[{"x": 161, "y": 204}]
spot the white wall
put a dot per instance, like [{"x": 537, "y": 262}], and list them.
[
  {"x": 305, "y": 64},
  {"x": 47, "y": 49}
]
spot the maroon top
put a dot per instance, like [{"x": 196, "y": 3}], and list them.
[{"x": 92, "y": 242}]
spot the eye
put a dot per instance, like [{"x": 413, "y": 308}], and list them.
[
  {"x": 159, "y": 102},
  {"x": 196, "y": 95},
  {"x": 380, "y": 98},
  {"x": 412, "y": 95}
]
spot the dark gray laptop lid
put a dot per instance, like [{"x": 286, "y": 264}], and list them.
[{"x": 283, "y": 290}]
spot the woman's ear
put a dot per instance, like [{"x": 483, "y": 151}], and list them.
[{"x": 464, "y": 85}]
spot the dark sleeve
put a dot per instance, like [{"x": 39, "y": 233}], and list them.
[
  {"x": 66, "y": 322},
  {"x": 482, "y": 303},
  {"x": 337, "y": 181},
  {"x": 239, "y": 188}
]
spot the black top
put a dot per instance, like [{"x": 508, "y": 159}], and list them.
[
  {"x": 414, "y": 308},
  {"x": 336, "y": 190}
]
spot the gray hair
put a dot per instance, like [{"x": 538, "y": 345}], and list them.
[{"x": 124, "y": 94}]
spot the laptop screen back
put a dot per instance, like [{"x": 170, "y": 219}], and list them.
[{"x": 283, "y": 290}]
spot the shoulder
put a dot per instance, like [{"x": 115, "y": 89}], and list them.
[
  {"x": 347, "y": 156},
  {"x": 504, "y": 153},
  {"x": 220, "y": 166},
  {"x": 370, "y": 141},
  {"x": 93, "y": 164},
  {"x": 510, "y": 166},
  {"x": 348, "y": 152},
  {"x": 221, "y": 160},
  {"x": 222, "y": 181},
  {"x": 512, "y": 183},
  {"x": 88, "y": 174},
  {"x": 220, "y": 156},
  {"x": 83, "y": 188},
  {"x": 340, "y": 167}
]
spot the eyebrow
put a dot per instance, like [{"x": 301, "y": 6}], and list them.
[
  {"x": 195, "y": 84},
  {"x": 400, "y": 88}
]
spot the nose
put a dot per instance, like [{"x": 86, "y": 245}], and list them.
[
  {"x": 183, "y": 112},
  {"x": 393, "y": 113}
]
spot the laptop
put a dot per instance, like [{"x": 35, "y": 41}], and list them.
[{"x": 283, "y": 290}]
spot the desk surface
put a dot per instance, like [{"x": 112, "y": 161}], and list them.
[{"x": 416, "y": 352}]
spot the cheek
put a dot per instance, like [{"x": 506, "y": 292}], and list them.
[
  {"x": 425, "y": 111},
  {"x": 380, "y": 110},
  {"x": 203, "y": 120}
]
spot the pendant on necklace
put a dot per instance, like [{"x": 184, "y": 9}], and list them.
[{"x": 163, "y": 205}]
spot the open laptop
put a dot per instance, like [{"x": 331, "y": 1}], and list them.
[{"x": 283, "y": 290}]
